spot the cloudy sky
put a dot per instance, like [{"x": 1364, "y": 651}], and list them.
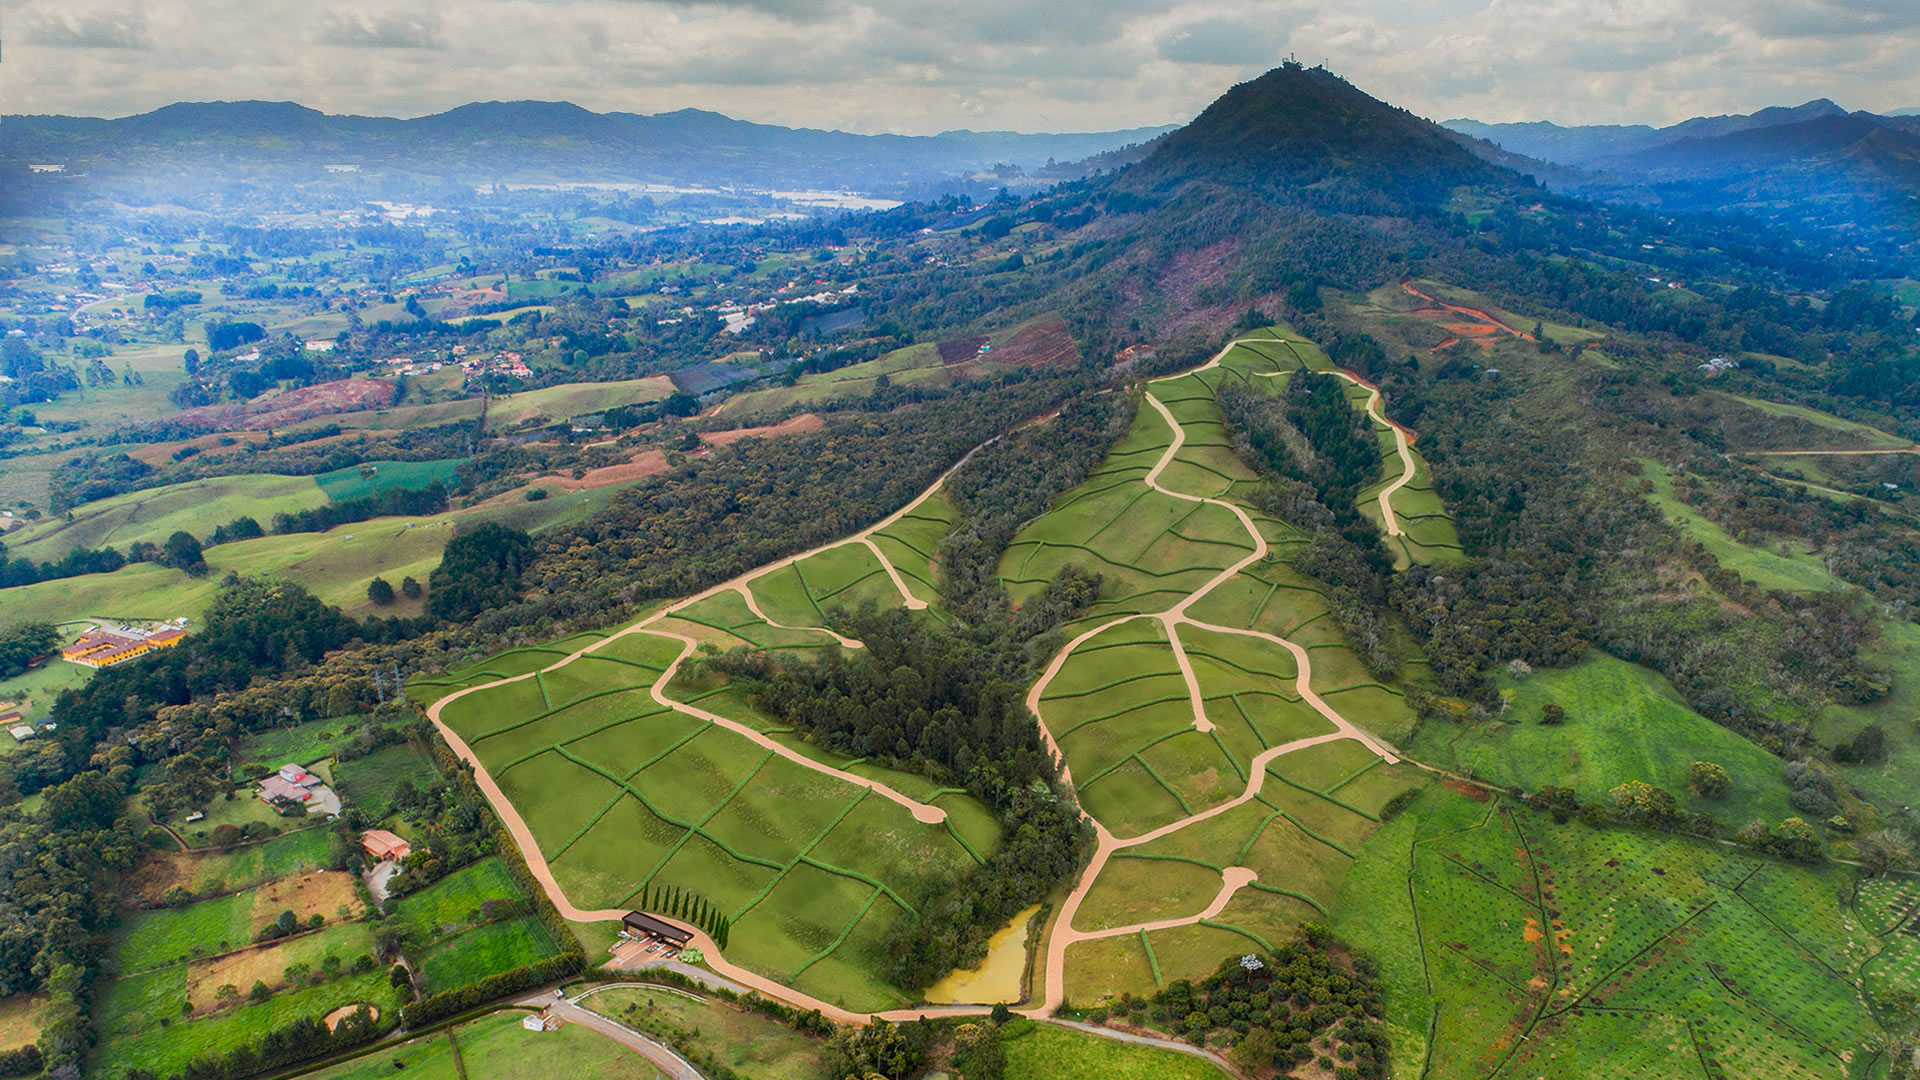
[{"x": 920, "y": 66}]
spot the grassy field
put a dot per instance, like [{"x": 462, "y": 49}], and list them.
[
  {"x": 195, "y": 506},
  {"x": 210, "y": 874},
  {"x": 498, "y": 1048},
  {"x": 1795, "y": 570},
  {"x": 484, "y": 950},
  {"x": 1051, "y": 1052},
  {"x": 369, "y": 782},
  {"x": 355, "y": 482},
  {"x": 1624, "y": 723},
  {"x": 142, "y": 1024},
  {"x": 335, "y": 565},
  {"x": 752, "y": 1045}
]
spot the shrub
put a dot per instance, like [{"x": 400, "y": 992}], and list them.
[
  {"x": 1551, "y": 714},
  {"x": 1708, "y": 780}
]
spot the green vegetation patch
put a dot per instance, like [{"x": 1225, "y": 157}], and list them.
[{"x": 1623, "y": 722}]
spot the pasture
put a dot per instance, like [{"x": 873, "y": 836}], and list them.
[
  {"x": 752, "y": 1045},
  {"x": 1052, "y": 1052},
  {"x": 152, "y": 515},
  {"x": 1624, "y": 722}
]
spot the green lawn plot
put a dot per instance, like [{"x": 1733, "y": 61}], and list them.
[
  {"x": 151, "y": 939},
  {"x": 369, "y": 782},
  {"x": 923, "y": 355},
  {"x": 374, "y": 477},
  {"x": 724, "y": 621},
  {"x": 129, "y": 1015},
  {"x": 1538, "y": 930},
  {"x": 304, "y": 743},
  {"x": 496, "y": 1047},
  {"x": 1117, "y": 695},
  {"x": 1624, "y": 722},
  {"x": 1798, "y": 571},
  {"x": 336, "y": 565},
  {"x": 451, "y": 904},
  {"x": 751, "y": 1044},
  {"x": 194, "y": 506},
  {"x": 1050, "y": 1052},
  {"x": 38, "y": 688},
  {"x": 106, "y": 408},
  {"x": 140, "y": 591},
  {"x": 429, "y": 1057},
  {"x": 912, "y": 545},
  {"x": 483, "y": 951},
  {"x": 243, "y": 808}
]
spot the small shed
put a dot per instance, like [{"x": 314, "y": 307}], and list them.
[
  {"x": 21, "y": 732},
  {"x": 641, "y": 924}
]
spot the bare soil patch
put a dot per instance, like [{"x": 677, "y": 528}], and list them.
[
  {"x": 325, "y": 399},
  {"x": 1045, "y": 342},
  {"x": 803, "y": 424},
  {"x": 643, "y": 464},
  {"x": 952, "y": 352},
  {"x": 333, "y": 1018},
  {"x": 322, "y": 891}
]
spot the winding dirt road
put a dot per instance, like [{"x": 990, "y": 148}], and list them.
[{"x": 1062, "y": 934}]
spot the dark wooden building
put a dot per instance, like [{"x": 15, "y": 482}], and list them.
[{"x": 641, "y": 924}]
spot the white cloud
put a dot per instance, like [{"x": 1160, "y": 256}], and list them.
[{"x": 925, "y": 65}]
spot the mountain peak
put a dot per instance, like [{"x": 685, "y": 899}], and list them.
[{"x": 1296, "y": 127}]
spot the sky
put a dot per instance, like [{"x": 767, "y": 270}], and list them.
[{"x": 921, "y": 66}]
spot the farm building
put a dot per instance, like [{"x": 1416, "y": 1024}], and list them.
[
  {"x": 382, "y": 845},
  {"x": 642, "y": 925},
  {"x": 21, "y": 732},
  {"x": 104, "y": 647},
  {"x": 292, "y": 782}
]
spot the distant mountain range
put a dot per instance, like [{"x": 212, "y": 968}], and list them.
[
  {"x": 1815, "y": 163},
  {"x": 536, "y": 140}
]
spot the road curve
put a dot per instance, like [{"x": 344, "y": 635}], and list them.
[{"x": 1062, "y": 934}]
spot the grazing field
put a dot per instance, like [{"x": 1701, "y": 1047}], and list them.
[
  {"x": 129, "y": 1014},
  {"x": 214, "y": 873},
  {"x": 1623, "y": 723},
  {"x": 496, "y": 1047},
  {"x": 1051, "y": 1052},
  {"x": 194, "y": 506},
  {"x": 484, "y": 950},
  {"x": 751, "y": 1044},
  {"x": 373, "y": 477},
  {"x": 20, "y": 1020}
]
